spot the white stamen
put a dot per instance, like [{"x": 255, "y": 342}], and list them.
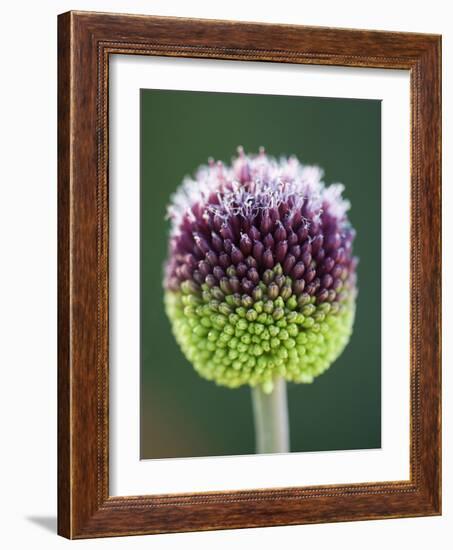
[{"x": 272, "y": 182}]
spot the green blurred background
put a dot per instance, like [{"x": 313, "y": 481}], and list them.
[{"x": 183, "y": 415}]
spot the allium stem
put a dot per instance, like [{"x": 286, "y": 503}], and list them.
[{"x": 270, "y": 411}]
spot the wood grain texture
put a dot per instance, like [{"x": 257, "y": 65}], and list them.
[
  {"x": 64, "y": 371},
  {"x": 86, "y": 40}
]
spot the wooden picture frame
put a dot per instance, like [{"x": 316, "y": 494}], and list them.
[{"x": 85, "y": 42}]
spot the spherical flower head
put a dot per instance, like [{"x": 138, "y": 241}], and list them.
[{"x": 260, "y": 280}]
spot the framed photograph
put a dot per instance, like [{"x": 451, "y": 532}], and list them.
[{"x": 249, "y": 275}]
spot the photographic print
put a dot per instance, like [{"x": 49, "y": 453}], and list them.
[
  {"x": 248, "y": 276},
  {"x": 260, "y": 274}
]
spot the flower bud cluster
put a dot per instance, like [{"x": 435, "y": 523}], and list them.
[{"x": 260, "y": 279}]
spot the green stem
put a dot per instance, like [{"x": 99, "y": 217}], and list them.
[{"x": 270, "y": 411}]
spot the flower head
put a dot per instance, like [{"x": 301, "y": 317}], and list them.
[{"x": 260, "y": 278}]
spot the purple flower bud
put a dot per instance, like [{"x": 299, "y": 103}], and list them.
[
  {"x": 203, "y": 267},
  {"x": 236, "y": 254},
  {"x": 217, "y": 222},
  {"x": 251, "y": 262},
  {"x": 298, "y": 270},
  {"x": 292, "y": 238},
  {"x": 328, "y": 264},
  {"x": 302, "y": 233},
  {"x": 247, "y": 286},
  {"x": 190, "y": 260},
  {"x": 281, "y": 250},
  {"x": 317, "y": 243},
  {"x": 253, "y": 275},
  {"x": 198, "y": 277},
  {"x": 224, "y": 260},
  {"x": 268, "y": 241},
  {"x": 241, "y": 269},
  {"x": 218, "y": 272},
  {"x": 212, "y": 258},
  {"x": 268, "y": 259},
  {"x": 306, "y": 258},
  {"x": 337, "y": 271},
  {"x": 320, "y": 255},
  {"x": 280, "y": 232},
  {"x": 296, "y": 218},
  {"x": 226, "y": 232},
  {"x": 228, "y": 245},
  {"x": 327, "y": 280},
  {"x": 217, "y": 242},
  {"x": 339, "y": 255},
  {"x": 296, "y": 251},
  {"x": 245, "y": 244},
  {"x": 310, "y": 274},
  {"x": 201, "y": 243},
  {"x": 258, "y": 249},
  {"x": 266, "y": 223},
  {"x": 333, "y": 241},
  {"x": 288, "y": 264},
  {"x": 254, "y": 233}
]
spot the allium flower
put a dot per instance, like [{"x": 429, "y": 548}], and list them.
[{"x": 260, "y": 279}]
